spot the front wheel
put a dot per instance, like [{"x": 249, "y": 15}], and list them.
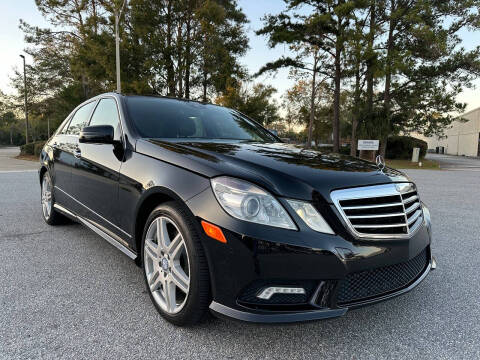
[{"x": 175, "y": 268}]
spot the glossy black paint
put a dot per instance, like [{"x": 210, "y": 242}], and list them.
[
  {"x": 98, "y": 134},
  {"x": 115, "y": 184}
]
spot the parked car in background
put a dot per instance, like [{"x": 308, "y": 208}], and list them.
[{"x": 221, "y": 214}]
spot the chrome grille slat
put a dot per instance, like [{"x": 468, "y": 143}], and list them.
[
  {"x": 375, "y": 216},
  {"x": 380, "y": 211},
  {"x": 411, "y": 208},
  {"x": 380, "y": 226},
  {"x": 371, "y": 206},
  {"x": 410, "y": 199},
  {"x": 414, "y": 217}
]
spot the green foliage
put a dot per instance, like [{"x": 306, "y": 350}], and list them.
[
  {"x": 37, "y": 149},
  {"x": 32, "y": 148},
  {"x": 320, "y": 34},
  {"x": 376, "y": 67},
  {"x": 181, "y": 48},
  {"x": 401, "y": 147},
  {"x": 10, "y": 131},
  {"x": 402, "y": 61},
  {"x": 257, "y": 102}
]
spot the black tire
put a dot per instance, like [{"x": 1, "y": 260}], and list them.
[
  {"x": 195, "y": 308},
  {"x": 54, "y": 218}
]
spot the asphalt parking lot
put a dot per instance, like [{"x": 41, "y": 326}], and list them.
[{"x": 66, "y": 293}]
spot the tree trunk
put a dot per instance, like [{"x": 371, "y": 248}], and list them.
[
  {"x": 168, "y": 52},
  {"x": 370, "y": 62},
  {"x": 312, "y": 102},
  {"x": 188, "y": 61},
  {"x": 205, "y": 86},
  {"x": 356, "y": 109},
  {"x": 85, "y": 87},
  {"x": 180, "y": 60},
  {"x": 383, "y": 146},
  {"x": 336, "y": 97},
  {"x": 353, "y": 142},
  {"x": 388, "y": 81}
]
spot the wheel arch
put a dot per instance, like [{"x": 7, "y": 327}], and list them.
[
  {"x": 149, "y": 201},
  {"x": 46, "y": 162},
  {"x": 42, "y": 171}
]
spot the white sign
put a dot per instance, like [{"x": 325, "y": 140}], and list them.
[
  {"x": 416, "y": 154},
  {"x": 368, "y": 144}
]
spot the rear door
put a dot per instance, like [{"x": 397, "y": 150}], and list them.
[{"x": 96, "y": 172}]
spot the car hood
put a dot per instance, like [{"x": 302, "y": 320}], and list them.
[{"x": 284, "y": 169}]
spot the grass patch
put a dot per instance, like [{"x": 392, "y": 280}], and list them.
[{"x": 407, "y": 164}]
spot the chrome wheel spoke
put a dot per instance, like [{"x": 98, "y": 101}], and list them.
[
  {"x": 46, "y": 197},
  {"x": 175, "y": 247},
  {"x": 151, "y": 249},
  {"x": 167, "y": 266},
  {"x": 170, "y": 295},
  {"x": 155, "y": 281},
  {"x": 162, "y": 233},
  {"x": 180, "y": 279}
]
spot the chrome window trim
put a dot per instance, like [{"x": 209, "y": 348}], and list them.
[
  {"x": 122, "y": 132},
  {"x": 76, "y": 110},
  {"x": 375, "y": 191}
]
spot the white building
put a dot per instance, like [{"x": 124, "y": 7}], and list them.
[{"x": 462, "y": 138}]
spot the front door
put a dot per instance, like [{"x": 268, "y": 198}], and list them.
[{"x": 96, "y": 172}]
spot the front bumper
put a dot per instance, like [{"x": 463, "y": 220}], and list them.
[
  {"x": 256, "y": 256},
  {"x": 308, "y": 315}
]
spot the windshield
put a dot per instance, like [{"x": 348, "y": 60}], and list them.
[{"x": 174, "y": 119}]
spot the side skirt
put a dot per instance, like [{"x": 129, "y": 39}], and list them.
[{"x": 117, "y": 243}]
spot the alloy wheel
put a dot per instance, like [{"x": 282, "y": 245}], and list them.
[
  {"x": 167, "y": 265},
  {"x": 46, "y": 196}
]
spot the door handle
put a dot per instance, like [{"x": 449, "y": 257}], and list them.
[{"x": 77, "y": 153}]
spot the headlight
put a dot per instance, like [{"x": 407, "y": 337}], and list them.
[
  {"x": 248, "y": 202},
  {"x": 311, "y": 216}
]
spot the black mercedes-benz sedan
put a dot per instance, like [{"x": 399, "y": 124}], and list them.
[{"x": 221, "y": 214}]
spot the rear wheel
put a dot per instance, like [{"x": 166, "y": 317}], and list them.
[
  {"x": 175, "y": 268},
  {"x": 50, "y": 215}
]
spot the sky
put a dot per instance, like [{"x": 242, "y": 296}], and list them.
[{"x": 12, "y": 43}]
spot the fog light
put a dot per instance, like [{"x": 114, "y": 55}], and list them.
[{"x": 268, "y": 292}]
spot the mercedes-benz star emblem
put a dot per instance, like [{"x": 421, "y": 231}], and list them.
[
  {"x": 164, "y": 264},
  {"x": 380, "y": 162}
]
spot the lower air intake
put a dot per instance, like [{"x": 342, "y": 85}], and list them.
[{"x": 373, "y": 283}]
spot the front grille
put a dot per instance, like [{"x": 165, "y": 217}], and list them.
[
  {"x": 392, "y": 210},
  {"x": 372, "y": 283}
]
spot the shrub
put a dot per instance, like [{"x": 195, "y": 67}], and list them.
[
  {"x": 401, "y": 147},
  {"x": 27, "y": 149},
  {"x": 33, "y": 148},
  {"x": 38, "y": 148}
]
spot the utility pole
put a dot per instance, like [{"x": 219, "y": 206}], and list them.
[
  {"x": 118, "y": 14},
  {"x": 25, "y": 94}
]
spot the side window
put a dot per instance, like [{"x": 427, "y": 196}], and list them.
[
  {"x": 80, "y": 119},
  {"x": 65, "y": 126},
  {"x": 106, "y": 113}
]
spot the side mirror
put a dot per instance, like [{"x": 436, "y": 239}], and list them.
[{"x": 98, "y": 134}]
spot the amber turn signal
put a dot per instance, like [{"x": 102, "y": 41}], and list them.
[{"x": 213, "y": 231}]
